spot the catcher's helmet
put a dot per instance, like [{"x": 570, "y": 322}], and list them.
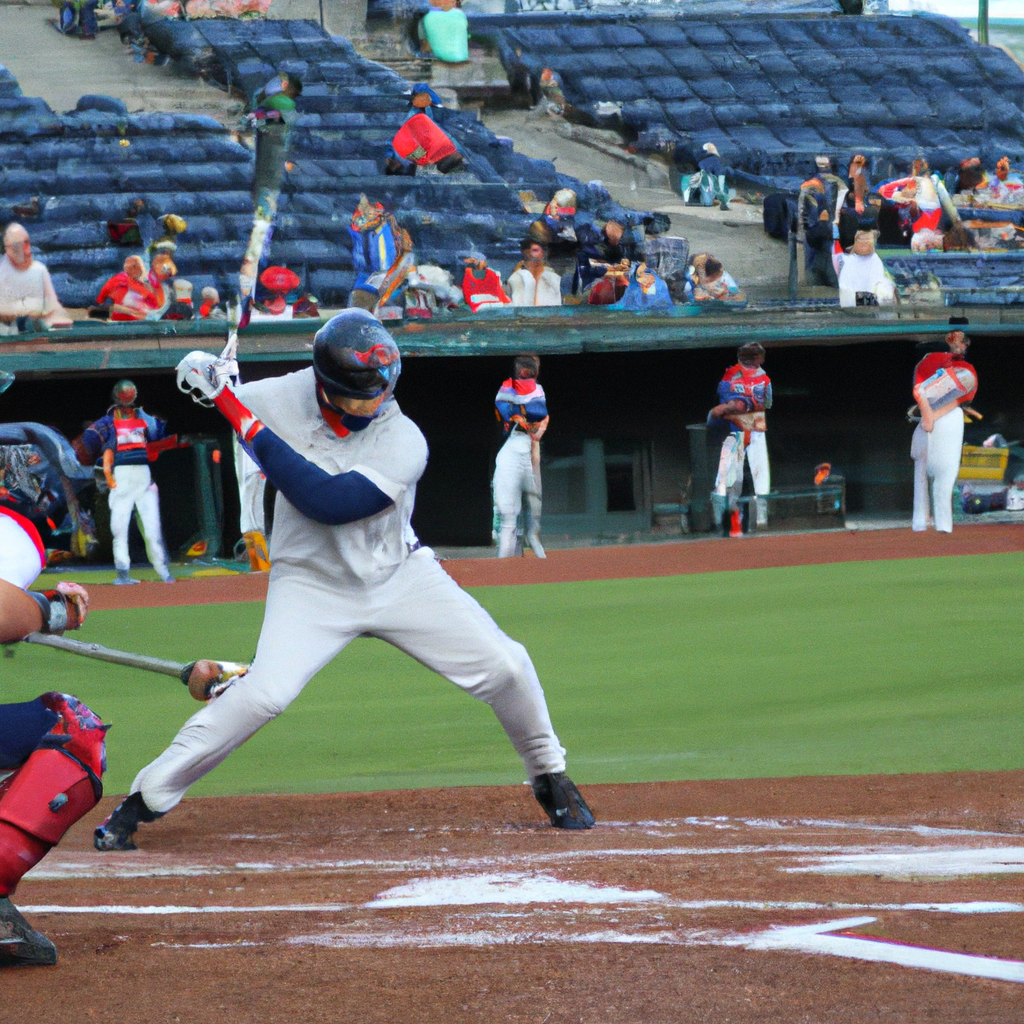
[
  {"x": 354, "y": 356},
  {"x": 124, "y": 393}
]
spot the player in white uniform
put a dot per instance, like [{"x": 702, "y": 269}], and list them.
[
  {"x": 346, "y": 563},
  {"x": 126, "y": 468},
  {"x": 744, "y": 394},
  {"x": 937, "y": 444},
  {"x": 521, "y": 407}
]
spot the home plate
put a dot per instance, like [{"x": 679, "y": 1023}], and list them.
[{"x": 510, "y": 888}]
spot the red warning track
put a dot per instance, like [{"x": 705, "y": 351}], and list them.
[{"x": 622, "y": 562}]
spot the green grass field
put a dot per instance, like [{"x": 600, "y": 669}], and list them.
[{"x": 899, "y": 666}]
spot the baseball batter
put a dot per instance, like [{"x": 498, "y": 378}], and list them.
[
  {"x": 522, "y": 409},
  {"x": 346, "y": 563},
  {"x": 944, "y": 383},
  {"x": 126, "y": 468},
  {"x": 744, "y": 394}
]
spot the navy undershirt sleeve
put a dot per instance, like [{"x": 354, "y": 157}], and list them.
[{"x": 327, "y": 499}]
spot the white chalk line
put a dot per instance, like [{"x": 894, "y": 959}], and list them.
[
  {"x": 891, "y": 861},
  {"x": 932, "y": 863},
  {"x": 978, "y": 907},
  {"x": 815, "y": 938}
]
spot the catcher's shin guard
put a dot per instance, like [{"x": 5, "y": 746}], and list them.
[
  {"x": 20, "y": 944},
  {"x": 49, "y": 793},
  {"x": 562, "y": 802},
  {"x": 115, "y": 833}
]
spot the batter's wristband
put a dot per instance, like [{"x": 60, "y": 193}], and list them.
[{"x": 55, "y": 611}]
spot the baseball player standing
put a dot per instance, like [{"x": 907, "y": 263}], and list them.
[
  {"x": 944, "y": 382},
  {"x": 126, "y": 467},
  {"x": 744, "y": 394},
  {"x": 346, "y": 563},
  {"x": 522, "y": 410}
]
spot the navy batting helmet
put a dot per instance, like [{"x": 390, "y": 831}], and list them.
[{"x": 354, "y": 356}]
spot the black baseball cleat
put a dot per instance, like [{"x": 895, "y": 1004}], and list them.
[
  {"x": 20, "y": 944},
  {"x": 560, "y": 798},
  {"x": 115, "y": 833}
]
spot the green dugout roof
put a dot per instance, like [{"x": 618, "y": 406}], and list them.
[{"x": 98, "y": 347}]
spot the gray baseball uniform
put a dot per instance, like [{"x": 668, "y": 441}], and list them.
[{"x": 330, "y": 584}]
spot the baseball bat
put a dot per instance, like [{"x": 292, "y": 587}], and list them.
[
  {"x": 101, "y": 653},
  {"x": 178, "y": 669}
]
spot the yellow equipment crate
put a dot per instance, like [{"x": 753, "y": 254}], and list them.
[{"x": 978, "y": 463}]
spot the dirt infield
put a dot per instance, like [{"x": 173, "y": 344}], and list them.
[
  {"x": 622, "y": 562},
  {"x": 823, "y": 900},
  {"x": 752, "y": 901}
]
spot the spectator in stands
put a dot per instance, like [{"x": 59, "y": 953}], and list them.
[
  {"x": 533, "y": 282},
  {"x": 709, "y": 181},
  {"x": 556, "y": 228},
  {"x": 645, "y": 291},
  {"x": 173, "y": 226},
  {"x": 858, "y": 184},
  {"x": 863, "y": 280},
  {"x": 971, "y": 175},
  {"x": 816, "y": 218},
  {"x": 710, "y": 281},
  {"x": 78, "y": 18},
  {"x": 211, "y": 309},
  {"x": 128, "y": 293},
  {"x": 27, "y": 295},
  {"x": 481, "y": 286},
  {"x": 602, "y": 252},
  {"x": 915, "y": 199},
  {"x": 825, "y": 173},
  {"x": 161, "y": 272},
  {"x": 444, "y": 32},
  {"x": 381, "y": 254}
]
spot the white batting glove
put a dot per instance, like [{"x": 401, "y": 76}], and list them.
[{"x": 204, "y": 376}]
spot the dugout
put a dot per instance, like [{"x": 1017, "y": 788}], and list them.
[{"x": 622, "y": 388}]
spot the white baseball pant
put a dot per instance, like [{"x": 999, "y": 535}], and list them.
[
  {"x": 936, "y": 458},
  {"x": 136, "y": 490},
  {"x": 516, "y": 475},
  {"x": 309, "y": 620},
  {"x": 729, "y": 481},
  {"x": 20, "y": 564}
]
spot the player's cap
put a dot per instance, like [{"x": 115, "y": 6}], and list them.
[
  {"x": 354, "y": 356},
  {"x": 124, "y": 393}
]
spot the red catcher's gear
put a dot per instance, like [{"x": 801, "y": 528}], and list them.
[
  {"x": 51, "y": 790},
  {"x": 422, "y": 141},
  {"x": 48, "y": 794}
]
